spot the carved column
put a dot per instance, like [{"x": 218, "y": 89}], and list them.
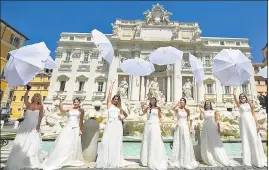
[
  {"x": 135, "y": 88},
  {"x": 142, "y": 84},
  {"x": 177, "y": 81},
  {"x": 147, "y": 85},
  {"x": 130, "y": 87},
  {"x": 168, "y": 88}
]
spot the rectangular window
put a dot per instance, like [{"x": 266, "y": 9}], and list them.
[
  {"x": 8, "y": 56},
  {"x": 245, "y": 88},
  {"x": 207, "y": 60},
  {"x": 45, "y": 87},
  {"x": 209, "y": 88},
  {"x": 100, "y": 86},
  {"x": 227, "y": 89},
  {"x": 62, "y": 85},
  {"x": 88, "y": 38},
  {"x": 237, "y": 43},
  {"x": 222, "y": 43},
  {"x": 21, "y": 98},
  {"x": 15, "y": 41},
  {"x": 2, "y": 74},
  {"x": 81, "y": 85},
  {"x": 71, "y": 38},
  {"x": 14, "y": 98},
  {"x": 68, "y": 56},
  {"x": 86, "y": 57},
  {"x": 44, "y": 98},
  {"x": 19, "y": 109},
  {"x": 1, "y": 95}
]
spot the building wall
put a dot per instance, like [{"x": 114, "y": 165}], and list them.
[
  {"x": 40, "y": 84},
  {"x": 130, "y": 41},
  {"x": 260, "y": 82},
  {"x": 7, "y": 32}
]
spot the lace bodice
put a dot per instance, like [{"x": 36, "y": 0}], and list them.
[
  {"x": 31, "y": 118},
  {"x": 181, "y": 115},
  {"x": 209, "y": 114},
  {"x": 113, "y": 112},
  {"x": 153, "y": 115},
  {"x": 73, "y": 118},
  {"x": 244, "y": 108}
]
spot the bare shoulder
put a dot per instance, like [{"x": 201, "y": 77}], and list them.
[{"x": 159, "y": 108}]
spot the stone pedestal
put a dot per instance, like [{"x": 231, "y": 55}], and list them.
[
  {"x": 2, "y": 124},
  {"x": 89, "y": 140}
]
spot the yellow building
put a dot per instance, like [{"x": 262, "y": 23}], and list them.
[
  {"x": 40, "y": 84},
  {"x": 261, "y": 84},
  {"x": 11, "y": 39}
]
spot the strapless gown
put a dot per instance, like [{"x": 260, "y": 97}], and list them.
[
  {"x": 67, "y": 149},
  {"x": 26, "y": 151}
]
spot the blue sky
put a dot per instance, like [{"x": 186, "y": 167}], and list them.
[{"x": 44, "y": 21}]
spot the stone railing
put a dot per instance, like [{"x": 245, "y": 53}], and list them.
[
  {"x": 99, "y": 95},
  {"x": 77, "y": 38},
  {"x": 227, "y": 98},
  {"x": 211, "y": 97},
  {"x": 225, "y": 42}
]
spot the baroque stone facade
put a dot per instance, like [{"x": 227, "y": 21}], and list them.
[{"x": 82, "y": 73}]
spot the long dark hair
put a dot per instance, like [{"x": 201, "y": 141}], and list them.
[
  {"x": 78, "y": 99},
  {"x": 240, "y": 97},
  {"x": 210, "y": 105},
  {"x": 184, "y": 100},
  {"x": 119, "y": 99},
  {"x": 150, "y": 105}
]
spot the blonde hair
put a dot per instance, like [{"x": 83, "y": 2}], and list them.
[{"x": 39, "y": 98}]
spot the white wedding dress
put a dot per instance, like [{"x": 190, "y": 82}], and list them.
[
  {"x": 253, "y": 152},
  {"x": 110, "y": 153},
  {"x": 153, "y": 153},
  {"x": 212, "y": 149},
  {"x": 67, "y": 149},
  {"x": 26, "y": 151},
  {"x": 182, "y": 153}
]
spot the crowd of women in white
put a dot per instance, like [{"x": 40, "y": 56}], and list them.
[{"x": 67, "y": 150}]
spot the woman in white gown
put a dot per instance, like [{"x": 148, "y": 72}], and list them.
[
  {"x": 253, "y": 152},
  {"x": 212, "y": 149},
  {"x": 182, "y": 153},
  {"x": 153, "y": 153},
  {"x": 67, "y": 149},
  {"x": 25, "y": 152},
  {"x": 110, "y": 153}
]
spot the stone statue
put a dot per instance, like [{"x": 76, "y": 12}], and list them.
[
  {"x": 154, "y": 88},
  {"x": 197, "y": 33},
  {"x": 175, "y": 33},
  {"x": 115, "y": 29},
  {"x": 138, "y": 30},
  {"x": 123, "y": 89},
  {"x": 187, "y": 89},
  {"x": 148, "y": 16},
  {"x": 166, "y": 16},
  {"x": 157, "y": 15}
]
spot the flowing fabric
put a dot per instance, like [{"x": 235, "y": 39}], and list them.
[
  {"x": 212, "y": 149},
  {"x": 26, "y": 151},
  {"x": 253, "y": 152},
  {"x": 110, "y": 153},
  {"x": 182, "y": 153},
  {"x": 153, "y": 153},
  {"x": 67, "y": 150}
]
